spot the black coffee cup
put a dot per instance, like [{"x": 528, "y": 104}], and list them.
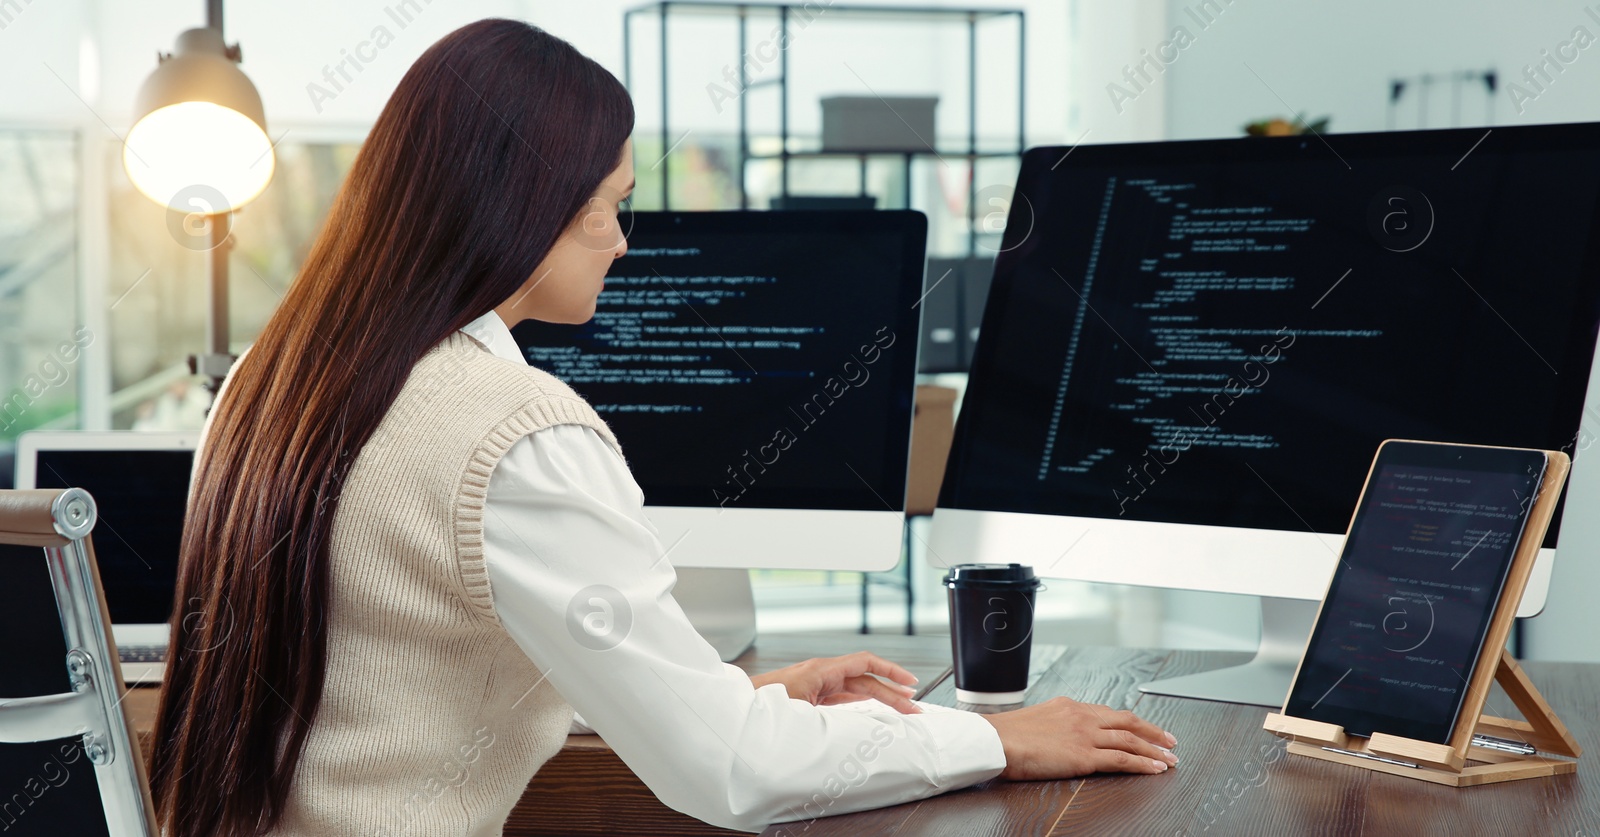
[{"x": 991, "y": 630}]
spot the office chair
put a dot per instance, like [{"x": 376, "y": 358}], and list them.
[{"x": 53, "y": 741}]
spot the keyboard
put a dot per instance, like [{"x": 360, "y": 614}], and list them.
[{"x": 142, "y": 653}]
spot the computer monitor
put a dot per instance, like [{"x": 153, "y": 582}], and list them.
[
  {"x": 759, "y": 370},
  {"x": 140, "y": 485},
  {"x": 811, "y": 203},
  {"x": 1192, "y": 350}
]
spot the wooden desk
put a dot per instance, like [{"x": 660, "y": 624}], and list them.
[{"x": 1233, "y": 776}]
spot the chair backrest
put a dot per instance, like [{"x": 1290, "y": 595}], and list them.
[
  {"x": 932, "y": 431},
  {"x": 68, "y": 763}
]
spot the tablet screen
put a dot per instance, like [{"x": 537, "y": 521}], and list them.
[{"x": 1412, "y": 597}]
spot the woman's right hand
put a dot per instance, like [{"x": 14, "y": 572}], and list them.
[{"x": 1062, "y": 738}]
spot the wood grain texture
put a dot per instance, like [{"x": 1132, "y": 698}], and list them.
[
  {"x": 1227, "y": 765},
  {"x": 1233, "y": 777},
  {"x": 1568, "y": 805},
  {"x": 140, "y": 704},
  {"x": 1544, "y": 728},
  {"x": 588, "y": 790},
  {"x": 1305, "y": 730},
  {"x": 1495, "y": 767},
  {"x": 991, "y": 809},
  {"x": 1441, "y": 756},
  {"x": 1443, "y": 763}
]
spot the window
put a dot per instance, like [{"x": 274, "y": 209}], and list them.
[
  {"x": 159, "y": 274},
  {"x": 40, "y": 342}
]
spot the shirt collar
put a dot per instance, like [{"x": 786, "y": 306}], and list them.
[{"x": 491, "y": 331}]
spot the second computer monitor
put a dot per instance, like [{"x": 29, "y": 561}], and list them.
[
  {"x": 758, "y": 369},
  {"x": 1193, "y": 349}
]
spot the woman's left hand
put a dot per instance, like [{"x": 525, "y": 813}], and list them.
[{"x": 829, "y": 680}]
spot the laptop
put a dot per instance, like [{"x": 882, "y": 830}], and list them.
[{"x": 140, "y": 484}]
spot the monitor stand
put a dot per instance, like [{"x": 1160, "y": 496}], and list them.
[
  {"x": 1265, "y": 680},
  {"x": 721, "y": 606}
]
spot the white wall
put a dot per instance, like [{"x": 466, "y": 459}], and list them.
[
  {"x": 39, "y": 40},
  {"x": 1106, "y": 38},
  {"x": 1338, "y": 58}
]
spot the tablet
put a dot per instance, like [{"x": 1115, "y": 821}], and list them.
[{"x": 1426, "y": 558}]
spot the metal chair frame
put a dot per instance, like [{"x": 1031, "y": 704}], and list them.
[{"x": 59, "y": 521}]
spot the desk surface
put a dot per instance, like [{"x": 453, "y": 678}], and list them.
[{"x": 1233, "y": 777}]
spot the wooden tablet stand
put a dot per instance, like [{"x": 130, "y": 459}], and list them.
[
  {"x": 1460, "y": 763},
  {"x": 1444, "y": 763}
]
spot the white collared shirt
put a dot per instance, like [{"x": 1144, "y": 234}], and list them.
[{"x": 562, "y": 504}]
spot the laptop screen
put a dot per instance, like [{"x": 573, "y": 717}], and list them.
[{"x": 140, "y": 496}]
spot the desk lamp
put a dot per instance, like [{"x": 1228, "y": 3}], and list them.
[{"x": 199, "y": 146}]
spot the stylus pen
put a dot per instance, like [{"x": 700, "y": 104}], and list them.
[
  {"x": 1371, "y": 756},
  {"x": 1489, "y": 742}
]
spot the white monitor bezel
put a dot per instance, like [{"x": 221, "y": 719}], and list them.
[
  {"x": 1282, "y": 564},
  {"x": 793, "y": 539},
  {"x": 29, "y": 445}
]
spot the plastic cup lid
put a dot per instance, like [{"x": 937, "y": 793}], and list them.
[{"x": 991, "y": 575}]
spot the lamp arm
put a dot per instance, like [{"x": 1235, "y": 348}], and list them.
[{"x": 216, "y": 361}]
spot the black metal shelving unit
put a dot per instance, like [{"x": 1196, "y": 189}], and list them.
[{"x": 786, "y": 13}]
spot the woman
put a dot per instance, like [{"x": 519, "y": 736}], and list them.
[{"x": 393, "y": 517}]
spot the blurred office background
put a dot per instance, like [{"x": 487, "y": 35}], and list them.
[{"x": 83, "y": 255}]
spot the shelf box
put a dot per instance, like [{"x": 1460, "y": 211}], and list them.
[{"x": 878, "y": 123}]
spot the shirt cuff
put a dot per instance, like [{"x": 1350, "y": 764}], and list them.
[{"x": 967, "y": 748}]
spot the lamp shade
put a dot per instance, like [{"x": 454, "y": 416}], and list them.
[{"x": 199, "y": 140}]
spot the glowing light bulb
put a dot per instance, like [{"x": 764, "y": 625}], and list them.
[{"x": 199, "y": 157}]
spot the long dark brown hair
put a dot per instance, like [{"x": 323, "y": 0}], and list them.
[{"x": 485, "y": 154}]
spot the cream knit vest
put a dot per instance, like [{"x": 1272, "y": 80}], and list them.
[{"x": 432, "y": 720}]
